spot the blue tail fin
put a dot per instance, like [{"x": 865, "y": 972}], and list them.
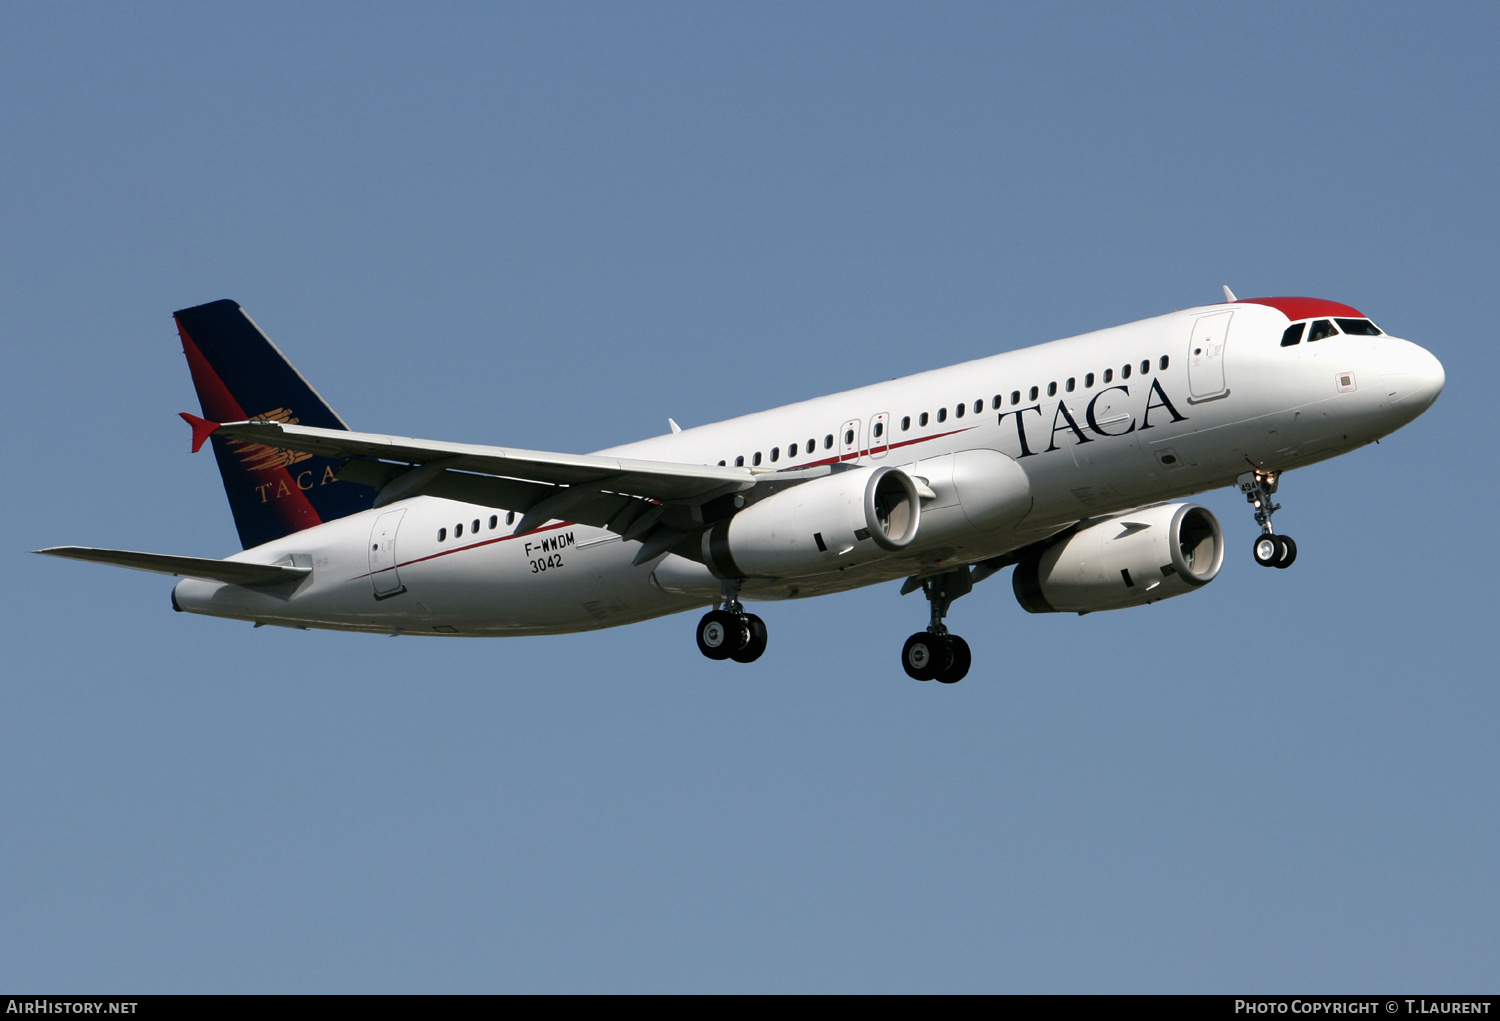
[{"x": 240, "y": 375}]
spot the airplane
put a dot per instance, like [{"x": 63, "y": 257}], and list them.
[{"x": 1067, "y": 461}]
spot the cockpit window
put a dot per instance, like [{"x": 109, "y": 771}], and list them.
[
  {"x": 1293, "y": 334},
  {"x": 1359, "y": 327},
  {"x": 1321, "y": 329}
]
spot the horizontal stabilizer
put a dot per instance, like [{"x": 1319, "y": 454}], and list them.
[{"x": 229, "y": 571}]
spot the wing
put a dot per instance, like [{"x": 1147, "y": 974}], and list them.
[
  {"x": 649, "y": 500},
  {"x": 183, "y": 567}
]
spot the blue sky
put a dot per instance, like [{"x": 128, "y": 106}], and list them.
[{"x": 553, "y": 228}]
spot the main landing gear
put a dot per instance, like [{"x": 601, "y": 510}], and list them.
[
  {"x": 934, "y": 654},
  {"x": 728, "y": 632},
  {"x": 1271, "y": 550}
]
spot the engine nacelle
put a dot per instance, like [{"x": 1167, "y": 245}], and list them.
[
  {"x": 819, "y": 526},
  {"x": 1127, "y": 560}
]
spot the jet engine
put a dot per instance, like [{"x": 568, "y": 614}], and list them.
[
  {"x": 1127, "y": 560},
  {"x": 823, "y": 525}
]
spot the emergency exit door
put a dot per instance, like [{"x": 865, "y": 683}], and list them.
[{"x": 849, "y": 440}]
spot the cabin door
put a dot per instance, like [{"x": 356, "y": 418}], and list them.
[
  {"x": 383, "y": 574},
  {"x": 1206, "y": 356}
]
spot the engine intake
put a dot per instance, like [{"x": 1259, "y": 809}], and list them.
[
  {"x": 1128, "y": 560},
  {"x": 822, "y": 525}
]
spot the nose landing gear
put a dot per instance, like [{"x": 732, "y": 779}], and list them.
[
  {"x": 1271, "y": 550},
  {"x": 728, "y": 632},
  {"x": 934, "y": 654}
]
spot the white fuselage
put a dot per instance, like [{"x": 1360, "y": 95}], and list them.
[{"x": 1100, "y": 423}]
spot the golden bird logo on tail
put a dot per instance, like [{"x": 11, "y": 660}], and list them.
[{"x": 257, "y": 457}]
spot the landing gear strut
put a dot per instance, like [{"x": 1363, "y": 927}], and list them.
[
  {"x": 934, "y": 654},
  {"x": 1271, "y": 550},
  {"x": 728, "y": 632}
]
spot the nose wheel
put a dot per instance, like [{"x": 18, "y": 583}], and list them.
[
  {"x": 731, "y": 633},
  {"x": 1275, "y": 550},
  {"x": 935, "y": 654},
  {"x": 1271, "y": 550}
]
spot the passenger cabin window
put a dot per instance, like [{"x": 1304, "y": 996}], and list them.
[
  {"x": 942, "y": 414},
  {"x": 1145, "y": 366},
  {"x": 905, "y": 423},
  {"x": 1069, "y": 384},
  {"x": 828, "y": 442},
  {"x": 1293, "y": 335},
  {"x": 849, "y": 436},
  {"x": 1109, "y": 375},
  {"x": 811, "y": 446},
  {"x": 721, "y": 464},
  {"x": 756, "y": 459},
  {"x": 979, "y": 405},
  {"x": 791, "y": 451},
  {"x": 776, "y": 453},
  {"x": 1052, "y": 389},
  {"x": 739, "y": 462},
  {"x": 475, "y": 527},
  {"x": 494, "y": 521},
  {"x": 1088, "y": 380},
  {"x": 1165, "y": 361},
  {"x": 1320, "y": 330},
  {"x": 997, "y": 402},
  {"x": 1015, "y": 397},
  {"x": 922, "y": 418},
  {"x": 1035, "y": 393},
  {"x": 959, "y": 411},
  {"x": 458, "y": 530},
  {"x": 442, "y": 535},
  {"x": 510, "y": 517},
  {"x": 879, "y": 429},
  {"x": 1125, "y": 372},
  {"x": 1358, "y": 327}
]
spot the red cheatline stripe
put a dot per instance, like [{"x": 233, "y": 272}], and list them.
[
  {"x": 461, "y": 549},
  {"x": 486, "y": 542},
  {"x": 572, "y": 524},
  {"x": 866, "y": 453}
]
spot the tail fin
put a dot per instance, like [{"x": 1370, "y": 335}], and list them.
[{"x": 240, "y": 375}]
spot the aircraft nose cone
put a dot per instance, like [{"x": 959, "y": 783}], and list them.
[{"x": 1417, "y": 380}]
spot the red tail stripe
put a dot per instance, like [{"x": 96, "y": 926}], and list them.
[{"x": 291, "y": 504}]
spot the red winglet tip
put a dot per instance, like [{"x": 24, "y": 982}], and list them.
[{"x": 202, "y": 429}]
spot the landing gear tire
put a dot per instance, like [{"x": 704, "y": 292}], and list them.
[
  {"x": 1288, "y": 551},
  {"x": 1268, "y": 550},
  {"x": 756, "y": 642},
  {"x": 721, "y": 634},
  {"x": 1271, "y": 550},
  {"x": 924, "y": 655},
  {"x": 1275, "y": 550},
  {"x": 959, "y": 659}
]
